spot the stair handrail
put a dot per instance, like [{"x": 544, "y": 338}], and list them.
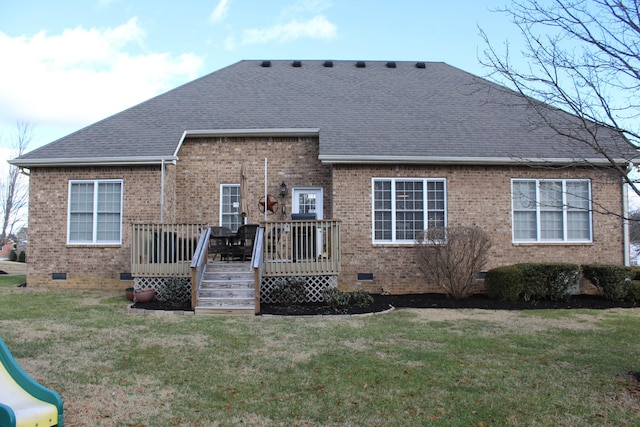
[
  {"x": 198, "y": 264},
  {"x": 257, "y": 264}
]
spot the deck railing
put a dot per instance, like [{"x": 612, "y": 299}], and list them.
[
  {"x": 293, "y": 248},
  {"x": 199, "y": 264},
  {"x": 289, "y": 248},
  {"x": 163, "y": 250},
  {"x": 257, "y": 266}
]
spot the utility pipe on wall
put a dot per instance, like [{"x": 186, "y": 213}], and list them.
[{"x": 162, "y": 191}]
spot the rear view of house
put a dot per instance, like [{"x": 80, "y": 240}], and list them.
[{"x": 367, "y": 154}]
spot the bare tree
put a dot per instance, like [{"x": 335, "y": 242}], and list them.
[
  {"x": 452, "y": 257},
  {"x": 583, "y": 57},
  {"x": 13, "y": 190}
]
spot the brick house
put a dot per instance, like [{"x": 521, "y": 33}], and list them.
[{"x": 385, "y": 149}]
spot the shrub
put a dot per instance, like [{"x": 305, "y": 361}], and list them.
[
  {"x": 22, "y": 257},
  {"x": 613, "y": 280},
  {"x": 533, "y": 281},
  {"x": 336, "y": 299},
  {"x": 175, "y": 291},
  {"x": 361, "y": 298},
  {"x": 13, "y": 256},
  {"x": 505, "y": 283},
  {"x": 634, "y": 292},
  {"x": 553, "y": 281},
  {"x": 290, "y": 291},
  {"x": 452, "y": 257},
  {"x": 561, "y": 280}
]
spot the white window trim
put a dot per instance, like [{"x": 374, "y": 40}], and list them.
[
  {"x": 539, "y": 239},
  {"x": 95, "y": 183},
  {"x": 222, "y": 186},
  {"x": 393, "y": 180}
]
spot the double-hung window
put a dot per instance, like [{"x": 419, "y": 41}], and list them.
[
  {"x": 95, "y": 212},
  {"x": 403, "y": 208},
  {"x": 551, "y": 210},
  {"x": 230, "y": 206}
]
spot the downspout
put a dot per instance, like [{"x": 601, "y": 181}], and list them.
[
  {"x": 625, "y": 223},
  {"x": 162, "y": 192}
]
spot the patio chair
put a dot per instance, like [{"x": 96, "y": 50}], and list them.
[
  {"x": 242, "y": 241},
  {"x": 219, "y": 242}
]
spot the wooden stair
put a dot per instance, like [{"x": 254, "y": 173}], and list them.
[{"x": 227, "y": 288}]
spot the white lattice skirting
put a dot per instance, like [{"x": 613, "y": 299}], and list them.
[
  {"x": 167, "y": 289},
  {"x": 314, "y": 287}
]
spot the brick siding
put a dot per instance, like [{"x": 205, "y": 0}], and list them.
[
  {"x": 192, "y": 194},
  {"x": 206, "y": 163},
  {"x": 86, "y": 266},
  {"x": 476, "y": 195}
]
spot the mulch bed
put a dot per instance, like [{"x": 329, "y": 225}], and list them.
[
  {"x": 385, "y": 302},
  {"x": 157, "y": 305}
]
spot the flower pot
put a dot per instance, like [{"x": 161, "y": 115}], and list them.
[
  {"x": 144, "y": 295},
  {"x": 129, "y": 293}
]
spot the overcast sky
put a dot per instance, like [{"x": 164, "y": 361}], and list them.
[{"x": 70, "y": 63}]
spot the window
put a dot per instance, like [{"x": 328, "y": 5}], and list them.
[
  {"x": 230, "y": 206},
  {"x": 404, "y": 208},
  {"x": 95, "y": 212},
  {"x": 551, "y": 210}
]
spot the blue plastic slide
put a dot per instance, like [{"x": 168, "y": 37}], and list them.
[{"x": 24, "y": 402}]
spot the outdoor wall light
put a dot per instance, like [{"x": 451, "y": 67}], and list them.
[{"x": 283, "y": 189}]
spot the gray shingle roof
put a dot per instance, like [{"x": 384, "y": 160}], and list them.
[{"x": 376, "y": 113}]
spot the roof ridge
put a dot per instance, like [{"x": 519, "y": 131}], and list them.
[{"x": 338, "y": 61}]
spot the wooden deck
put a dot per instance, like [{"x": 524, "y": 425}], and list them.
[
  {"x": 298, "y": 248},
  {"x": 289, "y": 248},
  {"x": 281, "y": 249}
]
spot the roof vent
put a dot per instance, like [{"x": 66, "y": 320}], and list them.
[
  {"x": 391, "y": 64},
  {"x": 266, "y": 64},
  {"x": 297, "y": 64},
  {"x": 360, "y": 64},
  {"x": 328, "y": 64},
  {"x": 420, "y": 65}
]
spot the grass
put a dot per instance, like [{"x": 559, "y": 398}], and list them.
[
  {"x": 9, "y": 280},
  {"x": 408, "y": 367},
  {"x": 12, "y": 267}
]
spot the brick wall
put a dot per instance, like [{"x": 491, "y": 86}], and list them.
[
  {"x": 94, "y": 266},
  {"x": 206, "y": 163},
  {"x": 170, "y": 194},
  {"x": 475, "y": 196},
  {"x": 479, "y": 196},
  {"x": 192, "y": 194}
]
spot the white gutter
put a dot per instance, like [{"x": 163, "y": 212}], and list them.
[
  {"x": 94, "y": 161},
  {"x": 445, "y": 160},
  {"x": 162, "y": 193},
  {"x": 625, "y": 224},
  {"x": 159, "y": 160},
  {"x": 271, "y": 132}
]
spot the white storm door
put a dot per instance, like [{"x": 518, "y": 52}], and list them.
[{"x": 307, "y": 201}]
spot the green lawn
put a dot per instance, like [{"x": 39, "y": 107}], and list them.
[
  {"x": 405, "y": 368},
  {"x": 10, "y": 280}
]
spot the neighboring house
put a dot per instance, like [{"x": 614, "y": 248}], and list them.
[
  {"x": 385, "y": 150},
  {"x": 16, "y": 242},
  {"x": 635, "y": 255},
  {"x": 22, "y": 240},
  {"x": 6, "y": 249}
]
